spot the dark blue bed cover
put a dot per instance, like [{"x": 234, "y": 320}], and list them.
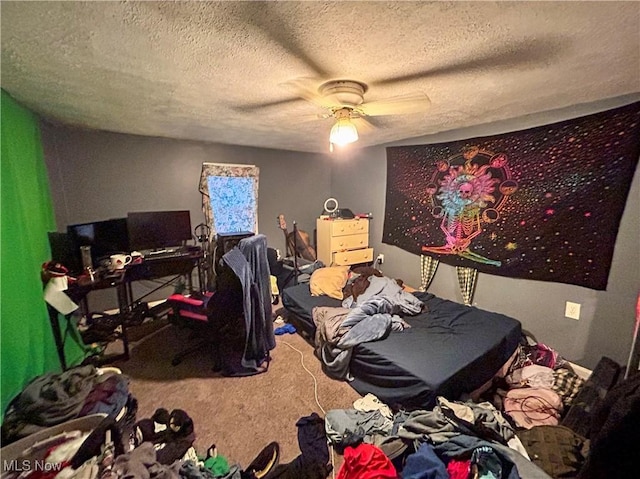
[{"x": 450, "y": 349}]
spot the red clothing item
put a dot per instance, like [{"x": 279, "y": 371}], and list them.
[
  {"x": 366, "y": 462},
  {"x": 459, "y": 469}
]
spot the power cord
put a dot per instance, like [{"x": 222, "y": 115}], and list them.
[
  {"x": 315, "y": 381},
  {"x": 315, "y": 395}
]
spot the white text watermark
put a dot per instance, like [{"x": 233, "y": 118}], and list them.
[{"x": 28, "y": 465}]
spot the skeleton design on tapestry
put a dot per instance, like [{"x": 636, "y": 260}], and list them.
[
  {"x": 467, "y": 191},
  {"x": 543, "y": 204}
]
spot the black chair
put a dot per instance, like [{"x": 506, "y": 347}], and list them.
[
  {"x": 248, "y": 347},
  {"x": 190, "y": 312},
  {"x": 235, "y": 321}
]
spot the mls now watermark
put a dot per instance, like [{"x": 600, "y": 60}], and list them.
[{"x": 26, "y": 465}]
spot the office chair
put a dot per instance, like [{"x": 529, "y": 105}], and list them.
[
  {"x": 249, "y": 263},
  {"x": 191, "y": 312},
  {"x": 235, "y": 321}
]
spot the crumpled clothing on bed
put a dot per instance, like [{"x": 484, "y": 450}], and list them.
[
  {"x": 390, "y": 289},
  {"x": 338, "y": 330}
]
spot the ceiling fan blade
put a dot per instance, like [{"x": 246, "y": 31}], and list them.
[
  {"x": 416, "y": 102},
  {"x": 303, "y": 88},
  {"x": 529, "y": 52},
  {"x": 266, "y": 17},
  {"x": 267, "y": 104},
  {"x": 307, "y": 89},
  {"x": 309, "y": 117},
  {"x": 363, "y": 125}
]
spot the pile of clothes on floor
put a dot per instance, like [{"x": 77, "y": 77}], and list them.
[
  {"x": 455, "y": 439},
  {"x": 53, "y": 398},
  {"x": 82, "y": 424},
  {"x": 538, "y": 420}
]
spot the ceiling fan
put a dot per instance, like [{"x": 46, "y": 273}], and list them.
[{"x": 343, "y": 100}]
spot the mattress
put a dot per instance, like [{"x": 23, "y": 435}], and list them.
[{"x": 451, "y": 349}]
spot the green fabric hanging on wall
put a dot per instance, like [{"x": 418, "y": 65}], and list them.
[{"x": 27, "y": 346}]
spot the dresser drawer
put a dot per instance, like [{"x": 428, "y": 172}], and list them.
[
  {"x": 352, "y": 257},
  {"x": 349, "y": 227},
  {"x": 342, "y": 243}
]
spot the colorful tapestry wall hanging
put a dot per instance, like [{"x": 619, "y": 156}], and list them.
[{"x": 542, "y": 204}]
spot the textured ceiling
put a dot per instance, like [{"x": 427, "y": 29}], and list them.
[{"x": 223, "y": 71}]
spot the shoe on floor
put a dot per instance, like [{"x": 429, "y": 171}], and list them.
[{"x": 264, "y": 462}]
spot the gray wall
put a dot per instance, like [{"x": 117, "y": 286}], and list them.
[
  {"x": 607, "y": 317},
  {"x": 97, "y": 175}
]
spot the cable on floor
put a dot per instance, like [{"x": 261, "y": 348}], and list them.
[
  {"x": 315, "y": 381},
  {"x": 315, "y": 394}
]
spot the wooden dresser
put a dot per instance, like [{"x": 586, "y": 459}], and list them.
[{"x": 343, "y": 242}]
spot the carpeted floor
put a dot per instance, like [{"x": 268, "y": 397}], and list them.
[{"x": 239, "y": 415}]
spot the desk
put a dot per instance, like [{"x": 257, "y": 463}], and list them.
[{"x": 122, "y": 280}]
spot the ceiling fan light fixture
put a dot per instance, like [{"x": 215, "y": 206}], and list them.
[{"x": 343, "y": 132}]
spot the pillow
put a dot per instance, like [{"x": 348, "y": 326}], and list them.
[{"x": 329, "y": 280}]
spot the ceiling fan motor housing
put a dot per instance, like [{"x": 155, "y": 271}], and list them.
[{"x": 345, "y": 92}]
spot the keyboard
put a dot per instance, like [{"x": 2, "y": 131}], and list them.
[{"x": 170, "y": 253}]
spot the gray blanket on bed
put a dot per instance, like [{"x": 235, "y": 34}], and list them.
[
  {"x": 338, "y": 330},
  {"x": 383, "y": 287}
]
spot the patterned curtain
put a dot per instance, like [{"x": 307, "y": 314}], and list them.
[
  {"x": 428, "y": 266},
  {"x": 228, "y": 170},
  {"x": 467, "y": 281}
]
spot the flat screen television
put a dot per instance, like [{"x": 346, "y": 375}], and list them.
[
  {"x": 153, "y": 230},
  {"x": 105, "y": 238}
]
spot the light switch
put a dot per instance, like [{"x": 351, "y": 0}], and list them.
[{"x": 572, "y": 310}]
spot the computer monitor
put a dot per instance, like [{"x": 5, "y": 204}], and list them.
[
  {"x": 105, "y": 238},
  {"x": 149, "y": 230}
]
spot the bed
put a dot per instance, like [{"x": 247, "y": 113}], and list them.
[{"x": 449, "y": 350}]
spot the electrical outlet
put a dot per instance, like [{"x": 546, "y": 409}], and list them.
[
  {"x": 572, "y": 310},
  {"x": 380, "y": 258}
]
